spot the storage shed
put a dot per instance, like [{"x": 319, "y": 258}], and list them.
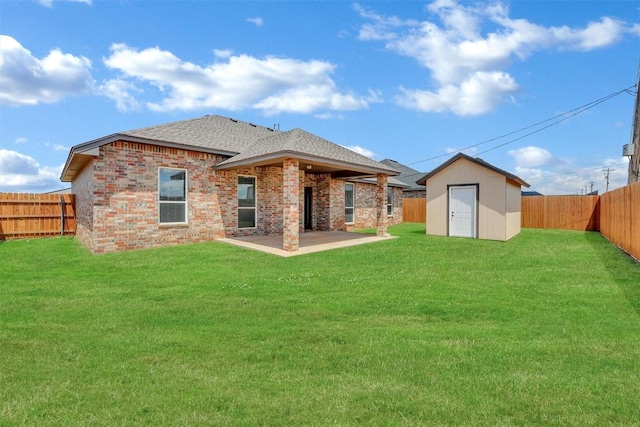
[{"x": 468, "y": 197}]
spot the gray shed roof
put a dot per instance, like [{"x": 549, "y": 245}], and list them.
[{"x": 477, "y": 161}]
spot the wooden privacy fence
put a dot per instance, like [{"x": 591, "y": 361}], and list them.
[
  {"x": 36, "y": 215},
  {"x": 563, "y": 212},
  {"x": 620, "y": 218},
  {"x": 615, "y": 214},
  {"x": 414, "y": 210}
]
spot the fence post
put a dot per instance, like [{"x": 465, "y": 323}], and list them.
[{"x": 62, "y": 209}]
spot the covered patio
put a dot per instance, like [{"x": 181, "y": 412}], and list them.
[
  {"x": 297, "y": 153},
  {"x": 309, "y": 242}
]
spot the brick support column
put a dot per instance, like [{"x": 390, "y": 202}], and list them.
[
  {"x": 217, "y": 224},
  {"x": 290, "y": 205},
  {"x": 381, "y": 205}
]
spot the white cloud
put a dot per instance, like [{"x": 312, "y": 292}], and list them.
[
  {"x": 21, "y": 140},
  {"x": 119, "y": 90},
  {"x": 479, "y": 94},
  {"x": 57, "y": 147},
  {"x": 22, "y": 173},
  {"x": 27, "y": 80},
  {"x": 258, "y": 22},
  {"x": 271, "y": 84},
  {"x": 361, "y": 150},
  {"x": 531, "y": 157},
  {"x": 552, "y": 176},
  {"x": 466, "y": 50},
  {"x": 329, "y": 116},
  {"x": 380, "y": 27},
  {"x": 222, "y": 53},
  {"x": 594, "y": 36},
  {"x": 49, "y": 3}
]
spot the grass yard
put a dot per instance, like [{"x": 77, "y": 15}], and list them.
[{"x": 543, "y": 329}]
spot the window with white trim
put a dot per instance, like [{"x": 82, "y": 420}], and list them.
[
  {"x": 349, "y": 202},
  {"x": 389, "y": 201},
  {"x": 172, "y": 196},
  {"x": 246, "y": 201}
]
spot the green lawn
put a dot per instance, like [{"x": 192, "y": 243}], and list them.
[{"x": 543, "y": 329}]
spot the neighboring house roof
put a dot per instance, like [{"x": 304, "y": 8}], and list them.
[
  {"x": 392, "y": 181},
  {"x": 531, "y": 193},
  {"x": 61, "y": 191},
  {"x": 245, "y": 143},
  {"x": 477, "y": 161},
  {"x": 407, "y": 175}
]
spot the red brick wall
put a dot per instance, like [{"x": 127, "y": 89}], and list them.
[
  {"x": 320, "y": 184},
  {"x": 117, "y": 199},
  {"x": 125, "y": 197},
  {"x": 415, "y": 194},
  {"x": 396, "y": 218},
  {"x": 268, "y": 200},
  {"x": 291, "y": 204},
  {"x": 365, "y": 212},
  {"x": 82, "y": 187}
]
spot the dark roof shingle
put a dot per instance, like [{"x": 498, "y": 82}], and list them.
[
  {"x": 407, "y": 175},
  {"x": 298, "y": 141},
  {"x": 213, "y": 132},
  {"x": 238, "y": 140}
]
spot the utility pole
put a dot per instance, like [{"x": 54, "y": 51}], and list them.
[{"x": 608, "y": 171}]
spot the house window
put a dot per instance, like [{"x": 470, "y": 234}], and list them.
[
  {"x": 246, "y": 201},
  {"x": 172, "y": 195},
  {"x": 349, "y": 193},
  {"x": 389, "y": 201}
]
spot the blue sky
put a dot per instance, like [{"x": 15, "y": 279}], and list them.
[{"x": 408, "y": 80}]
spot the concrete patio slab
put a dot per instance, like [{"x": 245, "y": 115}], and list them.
[{"x": 310, "y": 242}]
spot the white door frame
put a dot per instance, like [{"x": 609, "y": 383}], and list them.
[{"x": 463, "y": 211}]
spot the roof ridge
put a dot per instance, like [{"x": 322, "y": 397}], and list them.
[{"x": 195, "y": 119}]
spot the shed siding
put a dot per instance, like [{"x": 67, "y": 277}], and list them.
[
  {"x": 514, "y": 203},
  {"x": 492, "y": 209},
  {"x": 437, "y": 206},
  {"x": 498, "y": 200}
]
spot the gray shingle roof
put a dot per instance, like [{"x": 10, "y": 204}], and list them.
[
  {"x": 212, "y": 132},
  {"x": 300, "y": 142},
  {"x": 241, "y": 141},
  {"x": 391, "y": 182},
  {"x": 408, "y": 175}
]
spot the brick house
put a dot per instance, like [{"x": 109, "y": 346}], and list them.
[{"x": 214, "y": 177}]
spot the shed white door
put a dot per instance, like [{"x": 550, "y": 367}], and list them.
[{"x": 462, "y": 215}]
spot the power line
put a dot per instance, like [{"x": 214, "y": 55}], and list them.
[
  {"x": 558, "y": 119},
  {"x": 584, "y": 169},
  {"x": 546, "y": 178}
]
